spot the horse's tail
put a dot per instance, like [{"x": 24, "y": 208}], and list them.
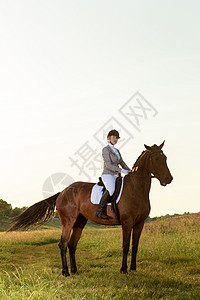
[{"x": 36, "y": 215}]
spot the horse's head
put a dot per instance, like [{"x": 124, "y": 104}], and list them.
[{"x": 157, "y": 164}]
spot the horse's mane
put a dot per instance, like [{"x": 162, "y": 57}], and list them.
[{"x": 135, "y": 164}]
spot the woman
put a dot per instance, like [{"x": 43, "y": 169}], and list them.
[{"x": 112, "y": 159}]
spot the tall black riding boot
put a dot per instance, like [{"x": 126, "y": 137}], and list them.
[{"x": 102, "y": 205}]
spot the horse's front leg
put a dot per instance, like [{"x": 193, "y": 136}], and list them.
[
  {"x": 137, "y": 229},
  {"x": 126, "y": 243}
]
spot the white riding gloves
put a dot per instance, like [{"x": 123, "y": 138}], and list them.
[{"x": 124, "y": 171}]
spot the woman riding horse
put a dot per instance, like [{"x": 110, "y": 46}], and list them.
[
  {"x": 112, "y": 159},
  {"x": 75, "y": 208}
]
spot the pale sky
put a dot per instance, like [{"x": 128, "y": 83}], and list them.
[{"x": 66, "y": 70}]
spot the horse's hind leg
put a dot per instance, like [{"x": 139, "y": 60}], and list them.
[
  {"x": 77, "y": 231},
  {"x": 66, "y": 229}
]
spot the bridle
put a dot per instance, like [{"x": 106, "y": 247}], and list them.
[{"x": 153, "y": 171}]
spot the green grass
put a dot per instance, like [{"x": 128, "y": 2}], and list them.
[{"x": 168, "y": 264}]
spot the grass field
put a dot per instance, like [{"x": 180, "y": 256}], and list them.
[{"x": 168, "y": 264}]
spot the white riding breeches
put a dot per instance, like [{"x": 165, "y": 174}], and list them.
[{"x": 109, "y": 182}]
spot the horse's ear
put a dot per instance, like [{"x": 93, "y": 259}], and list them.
[
  {"x": 147, "y": 147},
  {"x": 160, "y": 147}
]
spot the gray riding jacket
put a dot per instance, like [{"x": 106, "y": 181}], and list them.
[{"x": 112, "y": 162}]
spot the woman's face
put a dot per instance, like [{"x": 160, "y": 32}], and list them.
[{"x": 113, "y": 139}]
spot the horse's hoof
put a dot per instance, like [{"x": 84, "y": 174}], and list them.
[
  {"x": 132, "y": 269},
  {"x": 65, "y": 273},
  {"x": 122, "y": 271},
  {"x": 74, "y": 272}
]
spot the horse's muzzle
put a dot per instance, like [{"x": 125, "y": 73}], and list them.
[{"x": 166, "y": 180}]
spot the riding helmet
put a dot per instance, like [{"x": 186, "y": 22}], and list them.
[{"x": 113, "y": 132}]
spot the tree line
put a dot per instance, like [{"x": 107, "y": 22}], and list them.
[{"x": 6, "y": 209}]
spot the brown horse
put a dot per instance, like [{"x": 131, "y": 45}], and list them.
[{"x": 75, "y": 208}]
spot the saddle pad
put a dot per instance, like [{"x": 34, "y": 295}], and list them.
[{"x": 96, "y": 193}]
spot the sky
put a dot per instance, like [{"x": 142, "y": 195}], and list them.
[{"x": 72, "y": 70}]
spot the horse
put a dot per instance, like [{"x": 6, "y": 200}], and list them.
[{"x": 74, "y": 208}]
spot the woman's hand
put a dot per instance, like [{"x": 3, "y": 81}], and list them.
[{"x": 124, "y": 171}]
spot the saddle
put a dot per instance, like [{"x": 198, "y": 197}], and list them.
[{"x": 114, "y": 197}]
